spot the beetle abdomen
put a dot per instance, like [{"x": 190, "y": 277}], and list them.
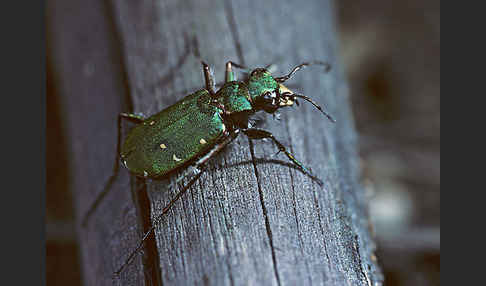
[{"x": 173, "y": 137}]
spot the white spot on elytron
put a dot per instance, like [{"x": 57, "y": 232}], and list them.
[
  {"x": 125, "y": 163},
  {"x": 152, "y": 123},
  {"x": 224, "y": 128},
  {"x": 175, "y": 158},
  {"x": 202, "y": 141},
  {"x": 145, "y": 174},
  {"x": 162, "y": 146}
]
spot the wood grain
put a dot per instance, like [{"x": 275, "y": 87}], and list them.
[{"x": 251, "y": 219}]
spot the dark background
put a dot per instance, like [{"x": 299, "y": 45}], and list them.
[{"x": 391, "y": 52}]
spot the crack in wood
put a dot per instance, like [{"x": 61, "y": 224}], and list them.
[
  {"x": 316, "y": 203},
  {"x": 150, "y": 260},
  {"x": 171, "y": 75},
  {"x": 234, "y": 33},
  {"x": 294, "y": 201},
  {"x": 265, "y": 214},
  {"x": 151, "y": 265},
  {"x": 228, "y": 226},
  {"x": 126, "y": 103},
  {"x": 363, "y": 272},
  {"x": 230, "y": 17}
]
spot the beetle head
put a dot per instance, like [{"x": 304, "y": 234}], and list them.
[{"x": 269, "y": 94}]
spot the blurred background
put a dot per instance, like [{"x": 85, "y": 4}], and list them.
[{"x": 391, "y": 53}]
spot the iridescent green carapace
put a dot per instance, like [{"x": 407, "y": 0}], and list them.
[
  {"x": 170, "y": 138},
  {"x": 202, "y": 123}
]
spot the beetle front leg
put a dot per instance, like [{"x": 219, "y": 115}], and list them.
[
  {"x": 230, "y": 75},
  {"x": 208, "y": 78},
  {"x": 254, "y": 133},
  {"x": 132, "y": 117}
]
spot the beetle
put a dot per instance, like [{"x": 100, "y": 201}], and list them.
[
  {"x": 197, "y": 127},
  {"x": 204, "y": 122}
]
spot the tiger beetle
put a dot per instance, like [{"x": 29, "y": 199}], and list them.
[{"x": 196, "y": 128}]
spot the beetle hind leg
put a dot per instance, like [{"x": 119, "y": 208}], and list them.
[
  {"x": 196, "y": 169},
  {"x": 198, "y": 166},
  {"x": 254, "y": 133},
  {"x": 208, "y": 78},
  {"x": 132, "y": 117},
  {"x": 230, "y": 74}
]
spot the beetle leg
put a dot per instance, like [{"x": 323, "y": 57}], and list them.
[
  {"x": 218, "y": 105},
  {"x": 230, "y": 75},
  {"x": 254, "y": 133},
  {"x": 155, "y": 223},
  {"x": 196, "y": 169},
  {"x": 282, "y": 79},
  {"x": 135, "y": 118},
  {"x": 209, "y": 78},
  {"x": 241, "y": 67}
]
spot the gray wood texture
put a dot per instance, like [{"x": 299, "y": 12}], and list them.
[
  {"x": 87, "y": 66},
  {"x": 251, "y": 219}
]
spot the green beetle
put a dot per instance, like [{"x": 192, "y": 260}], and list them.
[
  {"x": 202, "y": 123},
  {"x": 197, "y": 127}
]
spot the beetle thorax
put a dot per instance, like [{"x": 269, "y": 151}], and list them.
[{"x": 234, "y": 99}]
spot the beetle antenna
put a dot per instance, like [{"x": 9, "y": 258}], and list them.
[
  {"x": 327, "y": 67},
  {"x": 315, "y": 105}
]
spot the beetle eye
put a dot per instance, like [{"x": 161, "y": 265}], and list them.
[
  {"x": 257, "y": 72},
  {"x": 268, "y": 96}
]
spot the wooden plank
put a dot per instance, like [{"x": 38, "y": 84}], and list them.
[
  {"x": 86, "y": 63},
  {"x": 250, "y": 219}
]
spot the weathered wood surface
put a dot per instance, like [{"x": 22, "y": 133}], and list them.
[
  {"x": 86, "y": 62},
  {"x": 251, "y": 219}
]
